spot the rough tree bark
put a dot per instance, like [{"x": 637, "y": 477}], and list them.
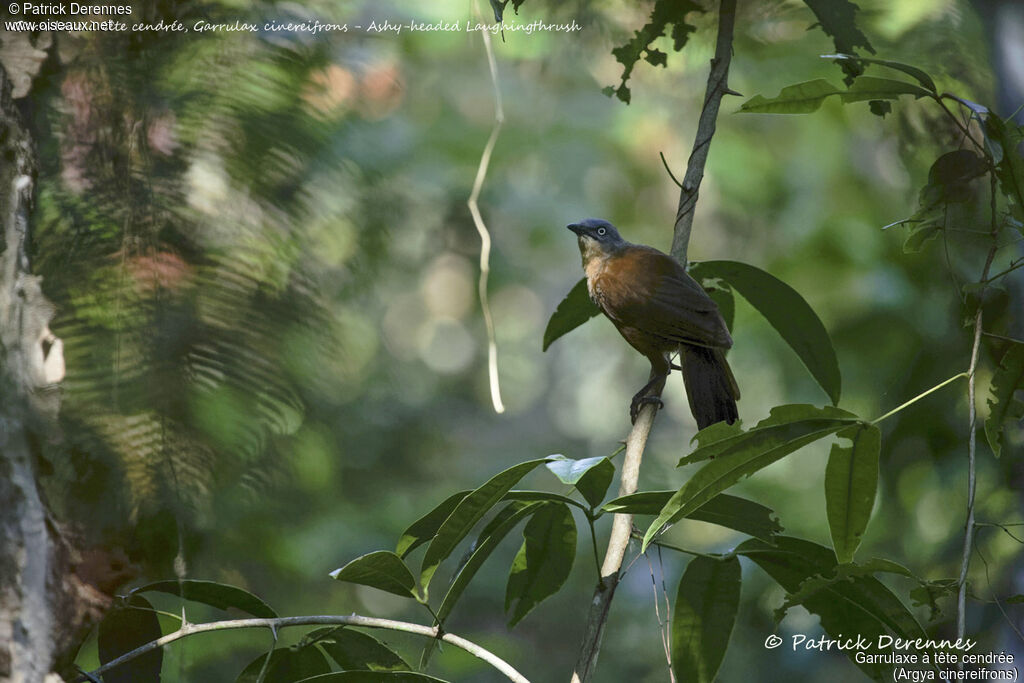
[{"x": 43, "y": 606}]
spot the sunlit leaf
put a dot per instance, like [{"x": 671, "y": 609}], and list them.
[
  {"x": 219, "y": 595},
  {"x": 124, "y": 629},
  {"x": 590, "y": 476},
  {"x": 807, "y": 97},
  {"x": 731, "y": 512},
  {"x": 707, "y": 600},
  {"x": 786, "y": 311},
  {"x": 425, "y": 528},
  {"x": 787, "y": 429},
  {"x": 575, "y": 309},
  {"x": 851, "y": 478},
  {"x": 1005, "y": 409},
  {"x": 544, "y": 560},
  {"x": 383, "y": 570},
  {"x": 467, "y": 513}
]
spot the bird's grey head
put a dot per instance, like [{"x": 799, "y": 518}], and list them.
[{"x": 595, "y": 232}]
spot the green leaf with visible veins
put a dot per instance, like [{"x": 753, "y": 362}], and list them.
[
  {"x": 544, "y": 560},
  {"x": 707, "y": 601},
  {"x": 851, "y": 479}
]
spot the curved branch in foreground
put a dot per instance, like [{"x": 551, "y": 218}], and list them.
[
  {"x": 622, "y": 525},
  {"x": 188, "y": 629}
]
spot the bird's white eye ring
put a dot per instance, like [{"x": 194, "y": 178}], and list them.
[{"x": 601, "y": 231}]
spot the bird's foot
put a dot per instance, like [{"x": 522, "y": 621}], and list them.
[{"x": 639, "y": 401}]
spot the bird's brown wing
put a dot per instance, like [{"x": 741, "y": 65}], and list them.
[{"x": 645, "y": 289}]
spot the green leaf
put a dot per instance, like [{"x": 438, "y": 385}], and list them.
[
  {"x": 1015, "y": 600},
  {"x": 837, "y": 18},
  {"x": 731, "y": 512},
  {"x": 590, "y": 476},
  {"x": 707, "y": 601},
  {"x": 383, "y": 570},
  {"x": 287, "y": 665},
  {"x": 1004, "y": 407},
  {"x": 843, "y": 572},
  {"x": 541, "y": 496},
  {"x": 788, "y": 313},
  {"x": 425, "y": 528},
  {"x": 860, "y": 604},
  {"x": 1010, "y": 168},
  {"x": 219, "y": 595},
  {"x": 920, "y": 236},
  {"x": 360, "y": 651},
  {"x": 800, "y": 98},
  {"x": 918, "y": 74},
  {"x": 574, "y": 310},
  {"x": 851, "y": 479},
  {"x": 544, "y": 560},
  {"x": 485, "y": 545},
  {"x": 124, "y": 629},
  {"x": 373, "y": 677},
  {"x": 787, "y": 429},
  {"x": 721, "y": 294},
  {"x": 807, "y": 97},
  {"x": 467, "y": 513},
  {"x": 665, "y": 12}
]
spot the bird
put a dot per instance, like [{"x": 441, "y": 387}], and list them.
[{"x": 660, "y": 310}]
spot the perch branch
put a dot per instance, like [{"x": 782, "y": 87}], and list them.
[
  {"x": 622, "y": 524},
  {"x": 718, "y": 86},
  {"x": 189, "y": 629}
]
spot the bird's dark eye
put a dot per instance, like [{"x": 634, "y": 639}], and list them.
[{"x": 601, "y": 231}]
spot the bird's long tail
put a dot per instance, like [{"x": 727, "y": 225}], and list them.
[{"x": 710, "y": 385}]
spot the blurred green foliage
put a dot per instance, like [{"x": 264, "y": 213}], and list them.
[{"x": 265, "y": 276}]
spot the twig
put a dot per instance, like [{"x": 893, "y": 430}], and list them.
[
  {"x": 481, "y": 227},
  {"x": 972, "y": 412},
  {"x": 919, "y": 397},
  {"x": 717, "y": 87},
  {"x": 353, "y": 620},
  {"x": 622, "y": 524}
]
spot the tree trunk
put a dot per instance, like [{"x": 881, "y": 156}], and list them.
[{"x": 37, "y": 615}]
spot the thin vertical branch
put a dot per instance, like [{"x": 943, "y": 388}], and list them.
[
  {"x": 481, "y": 227},
  {"x": 972, "y": 412},
  {"x": 622, "y": 524},
  {"x": 718, "y": 86}
]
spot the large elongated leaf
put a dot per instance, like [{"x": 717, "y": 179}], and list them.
[
  {"x": 807, "y": 97},
  {"x": 1004, "y": 406},
  {"x": 219, "y": 595},
  {"x": 732, "y": 512},
  {"x": 851, "y": 479},
  {"x": 575, "y": 309},
  {"x": 382, "y": 570},
  {"x": 785, "y": 430},
  {"x": 788, "y": 313},
  {"x": 122, "y": 630},
  {"x": 425, "y": 528},
  {"x": 590, "y": 476},
  {"x": 859, "y": 604},
  {"x": 286, "y": 666},
  {"x": 707, "y": 601},
  {"x": 918, "y": 74},
  {"x": 544, "y": 560},
  {"x": 355, "y": 650},
  {"x": 467, "y": 513}
]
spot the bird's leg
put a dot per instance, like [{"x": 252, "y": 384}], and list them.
[{"x": 650, "y": 392}]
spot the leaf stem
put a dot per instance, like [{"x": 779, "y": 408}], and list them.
[
  {"x": 919, "y": 397},
  {"x": 328, "y": 620}
]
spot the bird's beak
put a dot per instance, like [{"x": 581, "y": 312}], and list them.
[{"x": 576, "y": 228}]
